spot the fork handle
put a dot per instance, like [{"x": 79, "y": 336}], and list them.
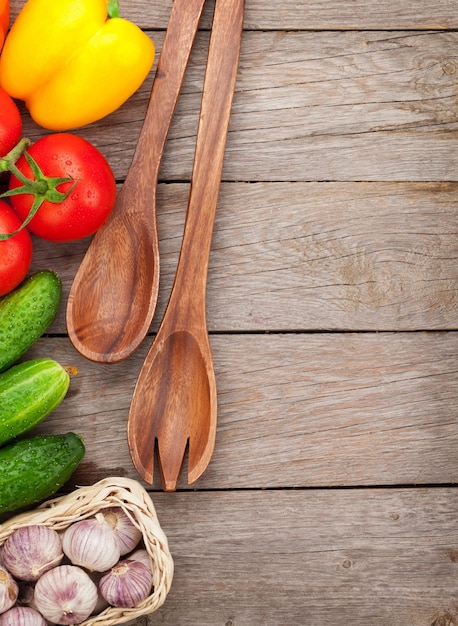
[{"x": 217, "y": 96}]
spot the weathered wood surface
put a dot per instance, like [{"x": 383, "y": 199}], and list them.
[
  {"x": 338, "y": 212},
  {"x": 309, "y": 14},
  {"x": 298, "y": 256},
  {"x": 311, "y": 558},
  {"x": 295, "y": 410},
  {"x": 327, "y": 106}
]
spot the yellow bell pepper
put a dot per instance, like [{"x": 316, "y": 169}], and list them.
[{"x": 73, "y": 61}]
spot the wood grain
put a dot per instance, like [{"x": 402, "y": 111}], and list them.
[
  {"x": 294, "y": 410},
  {"x": 312, "y": 256},
  {"x": 348, "y": 106},
  {"x": 309, "y": 14},
  {"x": 309, "y": 558}
]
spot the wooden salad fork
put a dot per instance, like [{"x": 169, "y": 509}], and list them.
[
  {"x": 174, "y": 405},
  {"x": 114, "y": 293}
]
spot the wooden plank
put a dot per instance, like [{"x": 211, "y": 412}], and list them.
[
  {"x": 294, "y": 410},
  {"x": 328, "y": 256},
  {"x": 309, "y": 558},
  {"x": 318, "y": 256},
  {"x": 313, "y": 107},
  {"x": 337, "y": 106},
  {"x": 308, "y": 14}
]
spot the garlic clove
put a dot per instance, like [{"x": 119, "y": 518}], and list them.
[
  {"x": 65, "y": 595},
  {"x": 127, "y": 584},
  {"x": 91, "y": 543},
  {"x": 32, "y": 550},
  {"x": 128, "y": 534},
  {"x": 141, "y": 555},
  {"x": 8, "y": 590},
  {"x": 22, "y": 616}
]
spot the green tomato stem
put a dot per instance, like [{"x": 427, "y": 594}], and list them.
[
  {"x": 41, "y": 187},
  {"x": 8, "y": 161}
]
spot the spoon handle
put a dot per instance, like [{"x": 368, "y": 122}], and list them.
[
  {"x": 176, "y": 50},
  {"x": 189, "y": 289}
]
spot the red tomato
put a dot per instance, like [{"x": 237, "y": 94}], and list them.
[
  {"x": 89, "y": 203},
  {"x": 10, "y": 123},
  {"x": 15, "y": 253}
]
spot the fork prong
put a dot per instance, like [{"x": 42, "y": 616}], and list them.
[{"x": 144, "y": 463}]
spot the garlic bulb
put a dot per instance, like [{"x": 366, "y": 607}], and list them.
[
  {"x": 22, "y": 616},
  {"x": 128, "y": 534},
  {"x": 32, "y": 550},
  {"x": 127, "y": 584},
  {"x": 65, "y": 595},
  {"x": 8, "y": 590},
  {"x": 141, "y": 555},
  {"x": 91, "y": 543}
]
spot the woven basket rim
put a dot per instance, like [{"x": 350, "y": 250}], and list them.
[{"x": 84, "y": 502}]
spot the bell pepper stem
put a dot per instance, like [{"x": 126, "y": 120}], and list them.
[{"x": 113, "y": 8}]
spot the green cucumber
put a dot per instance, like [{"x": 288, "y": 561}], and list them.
[
  {"x": 34, "y": 468},
  {"x": 26, "y": 313},
  {"x": 29, "y": 392}
]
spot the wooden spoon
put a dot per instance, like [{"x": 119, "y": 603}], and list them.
[
  {"x": 114, "y": 293},
  {"x": 174, "y": 401}
]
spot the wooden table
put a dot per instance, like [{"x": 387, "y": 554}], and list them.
[{"x": 332, "y": 305}]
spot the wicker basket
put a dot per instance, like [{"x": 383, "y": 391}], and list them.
[{"x": 85, "y": 502}]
